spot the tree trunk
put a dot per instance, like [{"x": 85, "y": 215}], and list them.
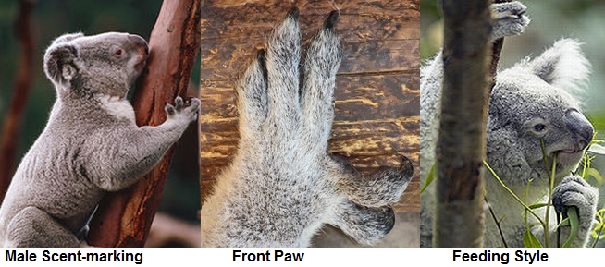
[
  {"x": 124, "y": 218},
  {"x": 14, "y": 117},
  {"x": 462, "y": 128}
]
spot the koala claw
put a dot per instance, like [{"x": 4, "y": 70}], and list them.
[{"x": 574, "y": 191}]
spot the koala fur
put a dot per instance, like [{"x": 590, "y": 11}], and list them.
[
  {"x": 90, "y": 144},
  {"x": 535, "y": 99},
  {"x": 282, "y": 185}
]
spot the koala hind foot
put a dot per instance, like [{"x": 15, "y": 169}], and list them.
[{"x": 508, "y": 19}]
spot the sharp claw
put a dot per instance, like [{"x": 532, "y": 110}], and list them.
[
  {"x": 294, "y": 12},
  {"x": 332, "y": 19}
]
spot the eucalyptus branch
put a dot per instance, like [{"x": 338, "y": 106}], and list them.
[{"x": 510, "y": 191}]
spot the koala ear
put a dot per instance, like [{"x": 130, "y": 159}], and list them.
[
  {"x": 67, "y": 37},
  {"x": 59, "y": 62},
  {"x": 563, "y": 66}
]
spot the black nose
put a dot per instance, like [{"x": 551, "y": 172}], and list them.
[
  {"x": 139, "y": 42},
  {"x": 581, "y": 128}
]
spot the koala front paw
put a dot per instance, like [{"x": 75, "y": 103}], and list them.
[
  {"x": 180, "y": 112},
  {"x": 574, "y": 191},
  {"x": 508, "y": 19}
]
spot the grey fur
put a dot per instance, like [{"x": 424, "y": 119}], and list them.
[
  {"x": 91, "y": 143},
  {"x": 282, "y": 185},
  {"x": 535, "y": 99}
]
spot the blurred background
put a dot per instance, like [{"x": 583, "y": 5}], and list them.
[{"x": 178, "y": 224}]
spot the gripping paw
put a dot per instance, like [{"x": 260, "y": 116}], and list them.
[
  {"x": 178, "y": 110},
  {"x": 508, "y": 19},
  {"x": 575, "y": 192}
]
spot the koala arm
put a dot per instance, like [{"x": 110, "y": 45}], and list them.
[{"x": 118, "y": 156}]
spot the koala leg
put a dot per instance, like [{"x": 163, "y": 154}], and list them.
[
  {"x": 321, "y": 64},
  {"x": 34, "y": 228},
  {"x": 382, "y": 188},
  {"x": 508, "y": 19},
  {"x": 283, "y": 58},
  {"x": 365, "y": 225},
  {"x": 575, "y": 192}
]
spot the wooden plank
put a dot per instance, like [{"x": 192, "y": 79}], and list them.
[{"x": 377, "y": 96}]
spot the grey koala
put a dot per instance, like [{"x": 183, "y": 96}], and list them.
[
  {"x": 91, "y": 143},
  {"x": 532, "y": 101},
  {"x": 282, "y": 185}
]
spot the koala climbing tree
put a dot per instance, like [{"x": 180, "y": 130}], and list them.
[
  {"x": 90, "y": 145},
  {"x": 533, "y": 103},
  {"x": 124, "y": 218},
  {"x": 282, "y": 185}
]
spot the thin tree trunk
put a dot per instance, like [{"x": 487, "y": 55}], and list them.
[
  {"x": 14, "y": 117},
  {"x": 124, "y": 218},
  {"x": 462, "y": 129}
]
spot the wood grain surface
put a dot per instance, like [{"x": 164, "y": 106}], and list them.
[{"x": 377, "y": 96}]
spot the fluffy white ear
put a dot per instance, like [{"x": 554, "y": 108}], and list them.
[{"x": 563, "y": 65}]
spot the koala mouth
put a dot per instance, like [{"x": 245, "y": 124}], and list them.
[{"x": 567, "y": 157}]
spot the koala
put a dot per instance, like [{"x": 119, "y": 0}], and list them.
[
  {"x": 282, "y": 184},
  {"x": 532, "y": 102},
  {"x": 90, "y": 145}
]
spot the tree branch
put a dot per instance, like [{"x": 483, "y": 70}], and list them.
[
  {"x": 462, "y": 126},
  {"x": 12, "y": 122}
]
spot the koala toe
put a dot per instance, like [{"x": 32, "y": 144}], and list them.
[
  {"x": 170, "y": 110},
  {"x": 179, "y": 103},
  {"x": 365, "y": 224},
  {"x": 382, "y": 188},
  {"x": 195, "y": 105}
]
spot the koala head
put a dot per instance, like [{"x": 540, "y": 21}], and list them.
[
  {"x": 106, "y": 63},
  {"x": 538, "y": 100}
]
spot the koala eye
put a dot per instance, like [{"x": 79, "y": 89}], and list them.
[
  {"x": 539, "y": 127},
  {"x": 118, "y": 52}
]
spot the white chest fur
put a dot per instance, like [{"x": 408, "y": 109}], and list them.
[{"x": 116, "y": 106}]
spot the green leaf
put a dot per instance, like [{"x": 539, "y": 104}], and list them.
[
  {"x": 592, "y": 172},
  {"x": 597, "y": 148},
  {"x": 538, "y": 205},
  {"x": 530, "y": 240},
  {"x": 429, "y": 178},
  {"x": 572, "y": 214}
]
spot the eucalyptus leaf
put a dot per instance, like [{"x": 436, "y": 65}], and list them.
[
  {"x": 597, "y": 149},
  {"x": 572, "y": 214},
  {"x": 429, "y": 178},
  {"x": 530, "y": 240}
]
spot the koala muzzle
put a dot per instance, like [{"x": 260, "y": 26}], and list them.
[
  {"x": 139, "y": 43},
  {"x": 580, "y": 127}
]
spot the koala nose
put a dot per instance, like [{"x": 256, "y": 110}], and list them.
[
  {"x": 581, "y": 128},
  {"x": 139, "y": 42}
]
